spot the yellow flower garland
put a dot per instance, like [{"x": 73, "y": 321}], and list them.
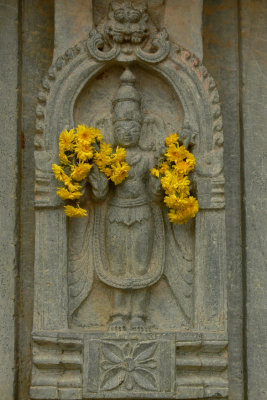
[
  {"x": 78, "y": 149},
  {"x": 173, "y": 172},
  {"x": 81, "y": 147}
]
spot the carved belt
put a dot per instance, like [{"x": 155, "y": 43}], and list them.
[
  {"x": 124, "y": 203},
  {"x": 128, "y": 216}
]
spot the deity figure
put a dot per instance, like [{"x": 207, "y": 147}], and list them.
[{"x": 127, "y": 245}]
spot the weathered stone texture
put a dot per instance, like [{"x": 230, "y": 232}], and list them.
[
  {"x": 73, "y": 22},
  {"x": 221, "y": 48},
  {"x": 123, "y": 286},
  {"x": 184, "y": 24},
  {"x": 254, "y": 117},
  {"x": 37, "y": 33},
  {"x": 195, "y": 318},
  {"x": 8, "y": 192}
]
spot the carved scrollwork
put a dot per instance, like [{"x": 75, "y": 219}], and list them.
[
  {"x": 128, "y": 34},
  {"x": 160, "y": 43},
  {"x": 95, "y": 45}
]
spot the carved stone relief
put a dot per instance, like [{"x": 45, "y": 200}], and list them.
[
  {"x": 129, "y": 31},
  {"x": 127, "y": 305}
]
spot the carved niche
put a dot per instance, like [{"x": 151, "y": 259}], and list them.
[{"x": 127, "y": 305}]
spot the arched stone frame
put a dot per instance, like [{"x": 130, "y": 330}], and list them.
[
  {"x": 193, "y": 85},
  {"x": 200, "y": 101}
]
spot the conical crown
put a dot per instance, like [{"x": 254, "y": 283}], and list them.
[{"x": 127, "y": 102}]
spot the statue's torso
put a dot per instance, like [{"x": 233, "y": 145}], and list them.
[{"x": 135, "y": 186}]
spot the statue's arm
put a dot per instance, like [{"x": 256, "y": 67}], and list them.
[
  {"x": 154, "y": 182},
  {"x": 99, "y": 183}
]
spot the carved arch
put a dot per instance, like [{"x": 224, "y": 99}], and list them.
[{"x": 192, "y": 84}]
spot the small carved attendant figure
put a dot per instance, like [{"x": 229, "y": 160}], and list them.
[{"x": 129, "y": 232}]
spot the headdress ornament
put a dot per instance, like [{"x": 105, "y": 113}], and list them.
[{"x": 127, "y": 102}]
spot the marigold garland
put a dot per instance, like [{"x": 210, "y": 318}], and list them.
[
  {"x": 78, "y": 149},
  {"x": 173, "y": 173}
]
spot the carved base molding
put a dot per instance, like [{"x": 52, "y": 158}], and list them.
[{"x": 72, "y": 366}]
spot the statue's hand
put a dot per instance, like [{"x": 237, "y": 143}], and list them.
[
  {"x": 99, "y": 183},
  {"x": 155, "y": 188}
]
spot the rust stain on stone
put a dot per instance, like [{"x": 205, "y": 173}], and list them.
[{"x": 22, "y": 140}]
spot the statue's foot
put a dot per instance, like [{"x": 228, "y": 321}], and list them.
[
  {"x": 117, "y": 324},
  {"x": 138, "y": 324}
]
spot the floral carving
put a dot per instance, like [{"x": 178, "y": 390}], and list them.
[{"x": 129, "y": 365}]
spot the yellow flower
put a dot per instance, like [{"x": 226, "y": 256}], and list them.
[
  {"x": 184, "y": 209},
  {"x": 59, "y": 173},
  {"x": 192, "y": 206},
  {"x": 155, "y": 172},
  {"x": 176, "y": 153},
  {"x": 88, "y": 135},
  {"x": 170, "y": 182},
  {"x": 71, "y": 211},
  {"x": 172, "y": 139},
  {"x": 63, "y": 157},
  {"x": 182, "y": 167},
  {"x": 164, "y": 167},
  {"x": 173, "y": 173},
  {"x": 66, "y": 139},
  {"x": 183, "y": 187},
  {"x": 80, "y": 171},
  {"x": 120, "y": 154},
  {"x": 64, "y": 194},
  {"x": 119, "y": 172},
  {"x": 84, "y": 151},
  {"x": 107, "y": 171},
  {"x": 98, "y": 136},
  {"x": 106, "y": 148},
  {"x": 176, "y": 217},
  {"x": 66, "y": 180},
  {"x": 73, "y": 187},
  {"x": 102, "y": 160},
  {"x": 175, "y": 202},
  {"x": 191, "y": 160}
]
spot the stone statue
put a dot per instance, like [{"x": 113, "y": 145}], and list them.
[
  {"x": 131, "y": 240},
  {"x": 129, "y": 232}
]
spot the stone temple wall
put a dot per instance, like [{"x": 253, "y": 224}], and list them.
[{"x": 191, "y": 323}]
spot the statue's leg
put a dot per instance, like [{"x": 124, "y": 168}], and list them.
[
  {"x": 140, "y": 301},
  {"x": 116, "y": 246},
  {"x": 141, "y": 250},
  {"x": 120, "y": 309},
  {"x": 141, "y": 246}
]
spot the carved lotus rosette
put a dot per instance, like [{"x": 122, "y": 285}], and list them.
[{"x": 129, "y": 365}]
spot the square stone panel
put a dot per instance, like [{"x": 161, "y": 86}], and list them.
[{"x": 129, "y": 366}]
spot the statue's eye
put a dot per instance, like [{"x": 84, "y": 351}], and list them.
[
  {"x": 119, "y": 15},
  {"x": 134, "y": 16}
]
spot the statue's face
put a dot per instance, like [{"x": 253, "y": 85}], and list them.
[{"x": 127, "y": 133}]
